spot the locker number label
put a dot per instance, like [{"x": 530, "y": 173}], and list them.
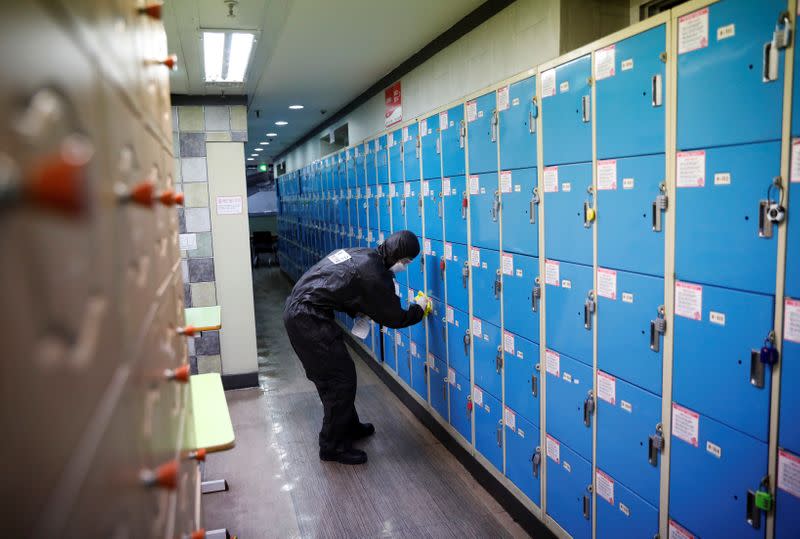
[
  {"x": 691, "y": 168},
  {"x": 448, "y": 251},
  {"x": 508, "y": 264},
  {"x": 552, "y": 272},
  {"x": 475, "y": 257},
  {"x": 791, "y": 320},
  {"x": 477, "y": 396},
  {"x": 685, "y": 424},
  {"x": 789, "y": 472},
  {"x": 795, "y": 171},
  {"x": 505, "y": 181},
  {"x": 605, "y": 487},
  {"x": 627, "y": 297},
  {"x": 693, "y": 31},
  {"x": 564, "y": 87},
  {"x": 688, "y": 300},
  {"x": 604, "y": 63},
  {"x": 607, "y": 283},
  {"x": 607, "y": 175},
  {"x": 549, "y": 83},
  {"x": 553, "y": 449},
  {"x": 677, "y": 531},
  {"x": 477, "y": 327},
  {"x": 502, "y": 98},
  {"x": 714, "y": 449},
  {"x": 551, "y": 179},
  {"x": 627, "y": 183},
  {"x": 552, "y": 361},
  {"x": 510, "y": 418},
  {"x": 626, "y": 64},
  {"x": 508, "y": 342},
  {"x": 607, "y": 388},
  {"x": 472, "y": 110},
  {"x": 724, "y": 32},
  {"x": 474, "y": 185}
]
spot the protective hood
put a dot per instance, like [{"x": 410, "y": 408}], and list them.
[{"x": 400, "y": 245}]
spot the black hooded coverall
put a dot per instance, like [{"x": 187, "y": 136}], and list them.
[{"x": 361, "y": 284}]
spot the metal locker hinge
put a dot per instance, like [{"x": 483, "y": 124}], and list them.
[
  {"x": 533, "y": 203},
  {"x": 498, "y": 359},
  {"x": 536, "y": 461},
  {"x": 535, "y": 383},
  {"x": 467, "y": 339},
  {"x": 496, "y": 206},
  {"x": 536, "y": 294},
  {"x": 657, "y": 328},
  {"x": 588, "y": 408},
  {"x": 500, "y": 433},
  {"x": 586, "y": 109},
  {"x": 495, "y": 119},
  {"x": 663, "y": 57},
  {"x": 660, "y": 205},
  {"x": 462, "y": 134},
  {"x": 655, "y": 445},
  {"x": 464, "y": 273},
  {"x": 588, "y": 308},
  {"x": 782, "y": 36},
  {"x": 498, "y": 283}
]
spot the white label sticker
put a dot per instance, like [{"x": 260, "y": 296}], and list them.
[
  {"x": 392, "y": 189},
  {"x": 502, "y": 98},
  {"x": 566, "y": 187},
  {"x": 472, "y": 110},
  {"x": 724, "y": 32},
  {"x": 566, "y": 283},
  {"x": 505, "y": 181},
  {"x": 550, "y": 179},
  {"x": 423, "y": 127},
  {"x": 188, "y": 242},
  {"x": 407, "y": 190},
  {"x": 445, "y": 186},
  {"x": 607, "y": 175},
  {"x": 508, "y": 342},
  {"x": 339, "y": 256},
  {"x": 475, "y": 256},
  {"x": 390, "y": 139},
  {"x": 508, "y": 264},
  {"x": 716, "y": 318},
  {"x": 510, "y": 418},
  {"x": 381, "y": 237},
  {"x": 607, "y": 387},
  {"x": 685, "y": 424},
  {"x": 791, "y": 320},
  {"x": 567, "y": 466},
  {"x": 448, "y": 251},
  {"x": 693, "y": 31},
  {"x": 451, "y": 376},
  {"x": 722, "y": 178},
  {"x": 480, "y": 114},
  {"x": 607, "y": 283},
  {"x": 567, "y": 377},
  {"x": 443, "y": 120},
  {"x": 714, "y": 449},
  {"x": 413, "y": 347},
  {"x": 627, "y": 183},
  {"x": 563, "y": 87},
  {"x": 552, "y": 361},
  {"x": 515, "y": 102},
  {"x": 449, "y": 314},
  {"x": 426, "y": 189},
  {"x": 789, "y": 472},
  {"x": 688, "y": 300},
  {"x": 549, "y": 83},
  {"x": 605, "y": 487},
  {"x": 477, "y": 396},
  {"x": 795, "y": 171},
  {"x": 678, "y": 532},
  {"x": 691, "y": 169},
  {"x": 427, "y": 246},
  {"x": 477, "y": 327},
  {"x": 627, "y": 64},
  {"x": 519, "y": 272},
  {"x": 624, "y": 509},
  {"x": 398, "y": 339},
  {"x": 627, "y": 297},
  {"x": 405, "y": 134},
  {"x": 552, "y": 272},
  {"x": 604, "y": 61},
  {"x": 474, "y": 185},
  {"x": 553, "y": 449},
  {"x": 625, "y": 405},
  {"x": 410, "y": 295},
  {"x": 229, "y": 205}
]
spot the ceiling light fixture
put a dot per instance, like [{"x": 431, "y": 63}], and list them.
[
  {"x": 226, "y": 55},
  {"x": 295, "y": 107},
  {"x": 258, "y": 150},
  {"x": 264, "y": 143},
  {"x": 272, "y": 134},
  {"x": 251, "y": 159},
  {"x": 281, "y": 122}
]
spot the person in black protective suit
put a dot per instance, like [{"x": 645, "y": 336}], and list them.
[{"x": 358, "y": 282}]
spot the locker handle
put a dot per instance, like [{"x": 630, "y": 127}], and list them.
[
  {"x": 753, "y": 516},
  {"x": 588, "y": 215},
  {"x": 658, "y": 327},
  {"x": 416, "y": 148},
  {"x": 532, "y": 205},
  {"x": 586, "y": 108},
  {"x": 498, "y": 284},
  {"x": 532, "y": 115},
  {"x": 498, "y": 360},
  {"x": 586, "y": 507},
  {"x": 588, "y": 409},
  {"x": 444, "y": 329},
  {"x": 462, "y": 134},
  {"x": 464, "y": 205},
  {"x": 467, "y": 339},
  {"x": 764, "y": 222},
  {"x": 657, "y": 98},
  {"x": 496, "y": 206},
  {"x": 500, "y": 433},
  {"x": 588, "y": 309},
  {"x": 770, "y": 62},
  {"x": 654, "y": 446},
  {"x": 757, "y": 369},
  {"x": 535, "y": 385},
  {"x": 659, "y": 205},
  {"x": 438, "y": 145},
  {"x": 444, "y": 389},
  {"x": 440, "y": 207},
  {"x": 465, "y": 274},
  {"x": 442, "y": 266},
  {"x": 536, "y": 461},
  {"x": 536, "y": 294},
  {"x": 494, "y": 125},
  {"x": 402, "y": 206}
]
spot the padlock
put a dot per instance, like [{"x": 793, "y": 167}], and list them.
[
  {"x": 768, "y": 354},
  {"x": 764, "y": 500}
]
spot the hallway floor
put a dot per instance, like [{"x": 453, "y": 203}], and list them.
[{"x": 411, "y": 486}]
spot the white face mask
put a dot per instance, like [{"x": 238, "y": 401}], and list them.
[{"x": 398, "y": 267}]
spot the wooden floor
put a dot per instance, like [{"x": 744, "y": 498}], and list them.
[{"x": 411, "y": 486}]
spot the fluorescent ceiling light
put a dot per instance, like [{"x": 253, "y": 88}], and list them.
[
  {"x": 226, "y": 55},
  {"x": 295, "y": 107},
  {"x": 258, "y": 150},
  {"x": 264, "y": 143},
  {"x": 272, "y": 134},
  {"x": 281, "y": 122},
  {"x": 251, "y": 159}
]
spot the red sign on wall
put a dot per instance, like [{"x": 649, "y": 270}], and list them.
[{"x": 394, "y": 104}]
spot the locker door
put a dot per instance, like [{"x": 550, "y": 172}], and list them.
[
  {"x": 628, "y": 343},
  {"x": 708, "y": 72},
  {"x": 567, "y": 113},
  {"x": 434, "y": 210},
  {"x": 382, "y": 159},
  {"x": 454, "y": 134},
  {"x": 521, "y": 295},
  {"x": 716, "y": 369},
  {"x": 567, "y": 212},
  {"x": 518, "y": 111},
  {"x": 403, "y": 356},
  {"x": 419, "y": 370},
  {"x": 411, "y": 151},
  {"x": 569, "y": 383},
  {"x": 631, "y": 234},
  {"x": 620, "y": 512},
  {"x": 417, "y": 331},
  {"x": 389, "y": 355},
  {"x": 372, "y": 205},
  {"x": 717, "y": 228},
  {"x": 455, "y": 201},
  {"x": 792, "y": 279},
  {"x": 434, "y": 268},
  {"x": 361, "y": 205},
  {"x": 437, "y": 331},
  {"x": 486, "y": 284},
  {"x": 521, "y": 357},
  {"x": 626, "y": 418},
  {"x": 488, "y": 426},
  {"x": 482, "y": 133},
  {"x": 384, "y": 215},
  {"x": 438, "y": 382},
  {"x": 416, "y": 271},
  {"x": 520, "y": 200},
  {"x": 397, "y": 206},
  {"x": 457, "y": 275},
  {"x": 488, "y": 356},
  {"x": 631, "y": 84},
  {"x": 402, "y": 292},
  {"x": 460, "y": 415},
  {"x": 568, "y": 287},
  {"x": 484, "y": 200},
  {"x": 523, "y": 454},
  {"x": 789, "y": 431},
  {"x": 395, "y": 145},
  {"x": 569, "y": 481},
  {"x": 431, "y": 147},
  {"x": 787, "y": 501},
  {"x": 722, "y": 466},
  {"x": 458, "y": 340},
  {"x": 413, "y": 208}
]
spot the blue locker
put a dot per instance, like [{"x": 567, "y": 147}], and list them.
[
  {"x": 792, "y": 279},
  {"x": 433, "y": 251},
  {"x": 431, "y": 147},
  {"x": 384, "y": 215},
  {"x": 787, "y": 502},
  {"x": 419, "y": 369},
  {"x": 630, "y": 235},
  {"x": 411, "y": 152},
  {"x": 413, "y": 207},
  {"x": 789, "y": 430},
  {"x": 458, "y": 340},
  {"x": 630, "y": 115},
  {"x": 706, "y": 73},
  {"x": 628, "y": 311},
  {"x": 389, "y": 355},
  {"x": 521, "y": 357},
  {"x": 454, "y": 136},
  {"x": 621, "y": 513},
  {"x": 403, "y": 356},
  {"x": 567, "y": 113},
  {"x": 460, "y": 414},
  {"x": 522, "y": 295},
  {"x": 417, "y": 332},
  {"x": 626, "y": 418},
  {"x": 397, "y": 206},
  {"x": 372, "y": 205},
  {"x": 359, "y": 167},
  {"x": 482, "y": 131},
  {"x": 569, "y": 321},
  {"x": 518, "y": 112},
  {"x": 438, "y": 382},
  {"x": 457, "y": 275},
  {"x": 569, "y": 481},
  {"x": 567, "y": 212},
  {"x": 416, "y": 271},
  {"x": 488, "y": 426},
  {"x": 523, "y": 454},
  {"x": 402, "y": 292},
  {"x": 382, "y": 159},
  {"x": 520, "y": 201},
  {"x": 434, "y": 210},
  {"x": 487, "y": 356},
  {"x": 437, "y": 330},
  {"x": 486, "y": 284},
  {"x": 717, "y": 237},
  {"x": 484, "y": 201},
  {"x": 722, "y": 466},
  {"x": 568, "y": 385},
  {"x": 719, "y": 349},
  {"x": 395, "y": 144},
  {"x": 360, "y": 207},
  {"x": 455, "y": 201}
]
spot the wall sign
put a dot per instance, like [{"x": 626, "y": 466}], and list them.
[{"x": 394, "y": 104}]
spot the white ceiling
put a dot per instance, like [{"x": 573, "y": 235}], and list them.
[{"x": 317, "y": 53}]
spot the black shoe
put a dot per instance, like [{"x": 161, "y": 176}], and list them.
[
  {"x": 363, "y": 430},
  {"x": 344, "y": 456}
]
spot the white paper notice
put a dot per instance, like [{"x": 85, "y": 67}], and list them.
[
  {"x": 510, "y": 418},
  {"x": 691, "y": 169},
  {"x": 477, "y": 327},
  {"x": 795, "y": 172},
  {"x": 604, "y": 63},
  {"x": 606, "y": 387},
  {"x": 502, "y": 98},
  {"x": 508, "y": 264},
  {"x": 688, "y": 300},
  {"x": 451, "y": 376},
  {"x": 552, "y": 362},
  {"x": 407, "y": 190},
  {"x": 678, "y": 532},
  {"x": 472, "y": 110},
  {"x": 550, "y": 179},
  {"x": 552, "y": 272},
  {"x": 607, "y": 283},
  {"x": 423, "y": 127},
  {"x": 693, "y": 31},
  {"x": 553, "y": 449},
  {"x": 426, "y": 189},
  {"x": 398, "y": 339},
  {"x": 477, "y": 396},
  {"x": 474, "y": 185},
  {"x": 449, "y": 314},
  {"x": 427, "y": 246},
  {"x": 605, "y": 487},
  {"x": 685, "y": 424},
  {"x": 445, "y": 186},
  {"x": 791, "y": 320},
  {"x": 443, "y": 120},
  {"x": 392, "y": 189},
  {"x": 229, "y": 205},
  {"x": 508, "y": 342},
  {"x": 607, "y": 175},
  {"x": 475, "y": 256},
  {"x": 448, "y": 251},
  {"x": 413, "y": 347},
  {"x": 789, "y": 472},
  {"x": 188, "y": 242},
  {"x": 505, "y": 181},
  {"x": 339, "y": 256},
  {"x": 549, "y": 83}
]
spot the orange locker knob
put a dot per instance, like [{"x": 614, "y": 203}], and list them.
[
  {"x": 188, "y": 331},
  {"x": 167, "y": 197},
  {"x": 152, "y": 10},
  {"x": 59, "y": 182},
  {"x": 142, "y": 193},
  {"x": 178, "y": 199},
  {"x": 198, "y": 534},
  {"x": 199, "y": 455},
  {"x": 170, "y": 61},
  {"x": 181, "y": 374},
  {"x": 165, "y": 476}
]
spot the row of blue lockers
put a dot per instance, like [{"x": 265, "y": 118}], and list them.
[{"x": 470, "y": 180}]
